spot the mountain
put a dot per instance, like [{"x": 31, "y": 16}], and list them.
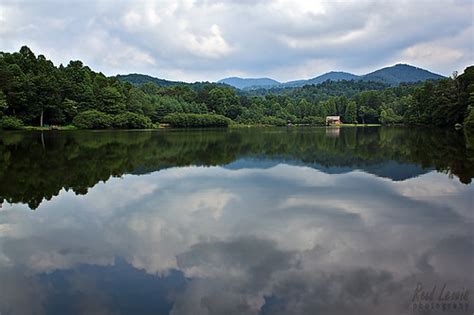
[
  {"x": 332, "y": 76},
  {"x": 139, "y": 79},
  {"x": 393, "y": 75},
  {"x": 401, "y": 73},
  {"x": 246, "y": 83}
]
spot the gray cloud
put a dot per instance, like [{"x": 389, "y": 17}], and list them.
[
  {"x": 283, "y": 240},
  {"x": 207, "y": 40}
]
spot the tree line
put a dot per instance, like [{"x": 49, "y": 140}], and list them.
[{"x": 33, "y": 91}]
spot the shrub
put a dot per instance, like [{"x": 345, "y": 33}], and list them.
[
  {"x": 182, "y": 120},
  {"x": 312, "y": 120},
  {"x": 10, "y": 123},
  {"x": 387, "y": 117},
  {"x": 92, "y": 119},
  {"x": 273, "y": 121},
  {"x": 130, "y": 120}
]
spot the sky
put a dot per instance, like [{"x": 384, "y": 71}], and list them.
[{"x": 207, "y": 40}]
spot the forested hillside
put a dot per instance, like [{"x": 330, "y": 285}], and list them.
[
  {"x": 393, "y": 76},
  {"x": 33, "y": 91},
  {"x": 241, "y": 83},
  {"x": 139, "y": 79},
  {"x": 400, "y": 73}
]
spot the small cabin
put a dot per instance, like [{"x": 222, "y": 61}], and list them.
[{"x": 333, "y": 120}]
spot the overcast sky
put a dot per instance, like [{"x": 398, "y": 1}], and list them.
[{"x": 208, "y": 40}]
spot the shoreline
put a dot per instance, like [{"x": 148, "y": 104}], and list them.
[{"x": 161, "y": 127}]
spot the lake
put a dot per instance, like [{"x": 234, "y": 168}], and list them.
[{"x": 367, "y": 220}]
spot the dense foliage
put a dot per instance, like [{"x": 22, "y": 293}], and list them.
[
  {"x": 138, "y": 79},
  {"x": 92, "y": 119},
  {"x": 10, "y": 123},
  {"x": 129, "y": 120},
  {"x": 469, "y": 121},
  {"x": 196, "y": 120},
  {"x": 35, "y": 92}
]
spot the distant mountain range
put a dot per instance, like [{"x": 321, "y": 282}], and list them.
[
  {"x": 393, "y": 75},
  {"x": 331, "y": 76},
  {"x": 242, "y": 83},
  {"x": 139, "y": 79}
]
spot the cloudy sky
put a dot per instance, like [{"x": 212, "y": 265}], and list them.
[{"x": 207, "y": 40}]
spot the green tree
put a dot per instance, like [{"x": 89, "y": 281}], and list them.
[
  {"x": 350, "y": 115},
  {"x": 469, "y": 120},
  {"x": 217, "y": 101},
  {"x": 92, "y": 119},
  {"x": 322, "y": 109},
  {"x": 368, "y": 115},
  {"x": 387, "y": 116},
  {"x": 3, "y": 103},
  {"x": 110, "y": 100},
  {"x": 10, "y": 123},
  {"x": 70, "y": 109},
  {"x": 129, "y": 120}
]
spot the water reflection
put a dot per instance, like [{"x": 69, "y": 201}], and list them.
[
  {"x": 285, "y": 236},
  {"x": 35, "y": 167}
]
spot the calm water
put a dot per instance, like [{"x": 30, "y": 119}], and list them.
[{"x": 251, "y": 221}]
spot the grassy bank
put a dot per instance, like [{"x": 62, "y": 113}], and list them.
[
  {"x": 360, "y": 125},
  {"x": 37, "y": 128},
  {"x": 167, "y": 126}
]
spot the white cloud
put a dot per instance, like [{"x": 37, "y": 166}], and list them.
[
  {"x": 206, "y": 40},
  {"x": 212, "y": 46}
]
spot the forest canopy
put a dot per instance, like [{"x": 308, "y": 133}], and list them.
[{"x": 33, "y": 91}]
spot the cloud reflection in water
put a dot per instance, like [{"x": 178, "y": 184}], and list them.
[{"x": 209, "y": 240}]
